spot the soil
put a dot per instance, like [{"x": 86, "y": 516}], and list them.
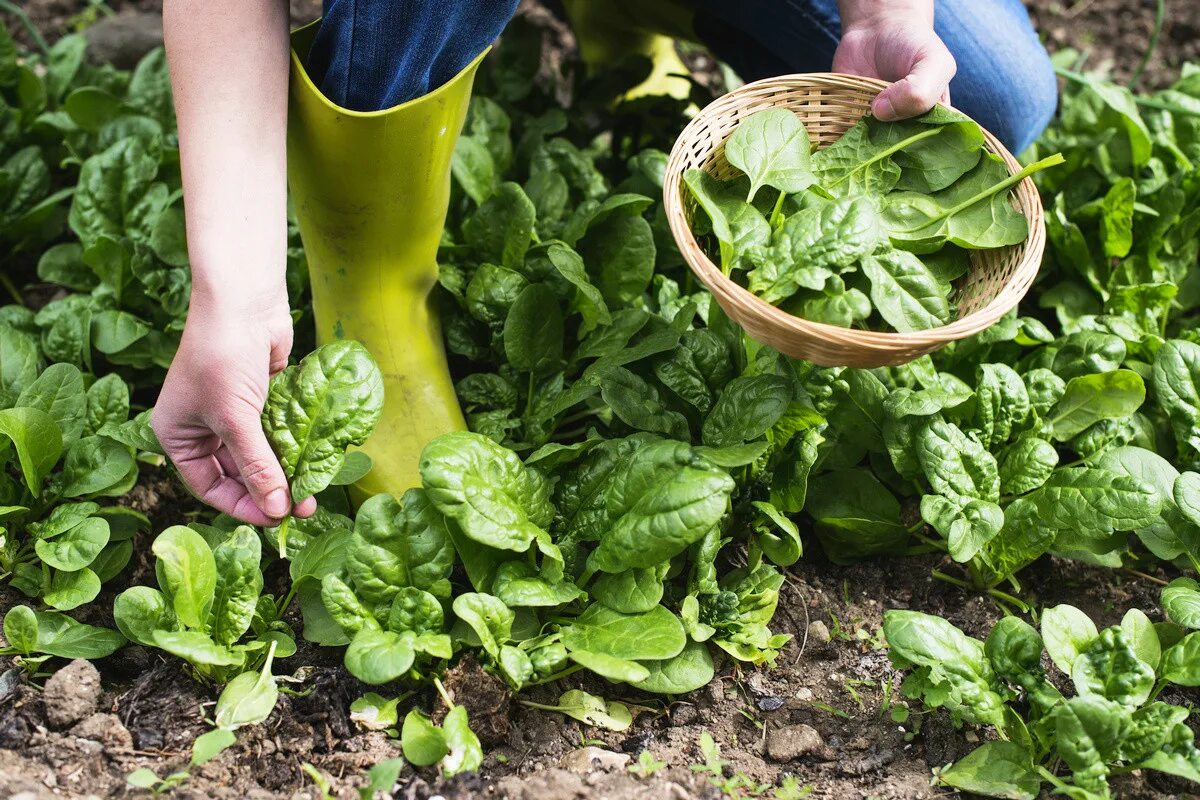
[{"x": 823, "y": 715}]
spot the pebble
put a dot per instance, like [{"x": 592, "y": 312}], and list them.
[
  {"x": 71, "y": 694},
  {"x": 792, "y": 741},
  {"x": 818, "y": 631},
  {"x": 769, "y": 703},
  {"x": 122, "y": 39},
  {"x": 588, "y": 759},
  {"x": 107, "y": 729},
  {"x": 804, "y": 693}
]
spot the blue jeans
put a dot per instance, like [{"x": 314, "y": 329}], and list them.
[{"x": 374, "y": 54}]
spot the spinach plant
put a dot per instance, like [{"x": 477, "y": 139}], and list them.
[
  {"x": 35, "y": 636},
  {"x": 1113, "y": 723},
  {"x": 317, "y": 409}
]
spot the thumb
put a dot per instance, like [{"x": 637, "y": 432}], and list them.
[
  {"x": 926, "y": 84},
  {"x": 258, "y": 466}
]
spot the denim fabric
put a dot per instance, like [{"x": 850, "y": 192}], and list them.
[
  {"x": 1005, "y": 80},
  {"x": 374, "y": 54}
]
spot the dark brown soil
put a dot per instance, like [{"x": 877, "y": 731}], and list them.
[{"x": 822, "y": 715}]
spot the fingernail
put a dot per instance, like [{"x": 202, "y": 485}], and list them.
[
  {"x": 884, "y": 109},
  {"x": 277, "y": 504}
]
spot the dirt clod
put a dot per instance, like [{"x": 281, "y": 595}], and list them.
[
  {"x": 793, "y": 741},
  {"x": 71, "y": 694},
  {"x": 818, "y": 631},
  {"x": 122, "y": 39},
  {"x": 107, "y": 729},
  {"x": 486, "y": 697},
  {"x": 586, "y": 759}
]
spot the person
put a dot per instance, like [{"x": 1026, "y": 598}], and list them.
[{"x": 229, "y": 66}]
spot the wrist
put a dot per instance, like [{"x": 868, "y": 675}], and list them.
[
  {"x": 865, "y": 14},
  {"x": 217, "y": 294}
]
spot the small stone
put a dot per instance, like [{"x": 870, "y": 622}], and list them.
[
  {"x": 818, "y": 631},
  {"x": 105, "y": 728},
  {"x": 71, "y": 694},
  {"x": 676, "y": 792},
  {"x": 769, "y": 703},
  {"x": 588, "y": 759},
  {"x": 122, "y": 39},
  {"x": 804, "y": 693},
  {"x": 792, "y": 741}
]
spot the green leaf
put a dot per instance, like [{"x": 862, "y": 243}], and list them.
[
  {"x": 1181, "y": 602},
  {"x": 398, "y": 544},
  {"x": 590, "y": 710},
  {"x": 772, "y": 148},
  {"x": 188, "y": 574},
  {"x": 1176, "y": 374},
  {"x": 1068, "y": 632},
  {"x": 905, "y": 292},
  {"x": 197, "y": 648},
  {"x": 485, "y": 488},
  {"x": 488, "y": 617},
  {"x": 1026, "y": 464},
  {"x": 239, "y": 583},
  {"x": 107, "y": 403},
  {"x": 1109, "y": 667},
  {"x": 117, "y": 195},
  {"x": 423, "y": 743},
  {"x": 141, "y": 610},
  {"x": 686, "y": 672},
  {"x": 378, "y": 657},
  {"x": 1143, "y": 639},
  {"x": 211, "y": 744},
  {"x": 1088, "y": 731},
  {"x": 59, "y": 392},
  {"x": 37, "y": 440},
  {"x": 1181, "y": 661},
  {"x": 854, "y": 515},
  {"x": 1091, "y": 398},
  {"x": 747, "y": 407},
  {"x": 1096, "y": 502},
  {"x": 736, "y": 224},
  {"x": 70, "y": 590},
  {"x": 995, "y": 769},
  {"x": 61, "y": 636},
  {"x": 96, "y": 466},
  {"x": 76, "y": 548},
  {"x": 533, "y": 330},
  {"x": 248, "y": 699},
  {"x": 465, "y": 752},
  {"x": 316, "y": 409},
  {"x": 501, "y": 230},
  {"x": 957, "y": 465},
  {"x": 21, "y": 629},
  {"x": 655, "y": 635}
]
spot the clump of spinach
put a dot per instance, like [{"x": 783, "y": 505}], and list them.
[
  {"x": 1111, "y": 725},
  {"x": 63, "y": 445},
  {"x": 35, "y": 636},
  {"x": 875, "y": 227},
  {"x": 209, "y": 598}
]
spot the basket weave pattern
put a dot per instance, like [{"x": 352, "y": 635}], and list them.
[{"x": 828, "y": 104}]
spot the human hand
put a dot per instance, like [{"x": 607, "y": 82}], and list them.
[
  {"x": 208, "y": 416},
  {"x": 897, "y": 45}
]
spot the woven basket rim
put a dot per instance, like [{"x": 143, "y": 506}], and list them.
[{"x": 882, "y": 342}]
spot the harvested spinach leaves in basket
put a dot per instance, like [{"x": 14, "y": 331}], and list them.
[{"x": 869, "y": 232}]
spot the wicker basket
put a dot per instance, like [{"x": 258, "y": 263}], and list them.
[{"x": 828, "y": 104}]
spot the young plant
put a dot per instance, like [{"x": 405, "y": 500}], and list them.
[
  {"x": 59, "y": 453},
  {"x": 35, "y": 636},
  {"x": 453, "y": 746},
  {"x": 1112, "y": 724},
  {"x": 210, "y": 586}
]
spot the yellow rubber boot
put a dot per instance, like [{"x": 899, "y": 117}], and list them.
[
  {"x": 371, "y": 192},
  {"x": 610, "y": 30}
]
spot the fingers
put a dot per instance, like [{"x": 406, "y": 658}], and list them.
[
  {"x": 206, "y": 477},
  {"x": 926, "y": 84},
  {"x": 305, "y": 508},
  {"x": 257, "y": 466}
]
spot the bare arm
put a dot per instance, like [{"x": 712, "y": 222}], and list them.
[
  {"x": 894, "y": 40},
  {"x": 229, "y": 72}
]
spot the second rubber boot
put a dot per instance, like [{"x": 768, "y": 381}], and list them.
[
  {"x": 370, "y": 191},
  {"x": 610, "y": 30}
]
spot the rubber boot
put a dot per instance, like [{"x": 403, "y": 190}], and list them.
[
  {"x": 370, "y": 191},
  {"x": 610, "y": 30}
]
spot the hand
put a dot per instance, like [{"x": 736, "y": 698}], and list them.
[
  {"x": 903, "y": 49},
  {"x": 208, "y": 417}
]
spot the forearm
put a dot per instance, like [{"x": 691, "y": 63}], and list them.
[
  {"x": 862, "y": 13},
  {"x": 229, "y": 72}
]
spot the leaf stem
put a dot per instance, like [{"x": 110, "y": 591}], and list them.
[
  {"x": 442, "y": 691},
  {"x": 287, "y": 600},
  {"x": 941, "y": 576},
  {"x": 1144, "y": 576},
  {"x": 1010, "y": 181},
  {"x": 1160, "y": 17},
  {"x": 283, "y": 529},
  {"x": 11, "y": 288},
  {"x": 571, "y": 670},
  {"x": 777, "y": 211},
  {"x": 27, "y": 23}
]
